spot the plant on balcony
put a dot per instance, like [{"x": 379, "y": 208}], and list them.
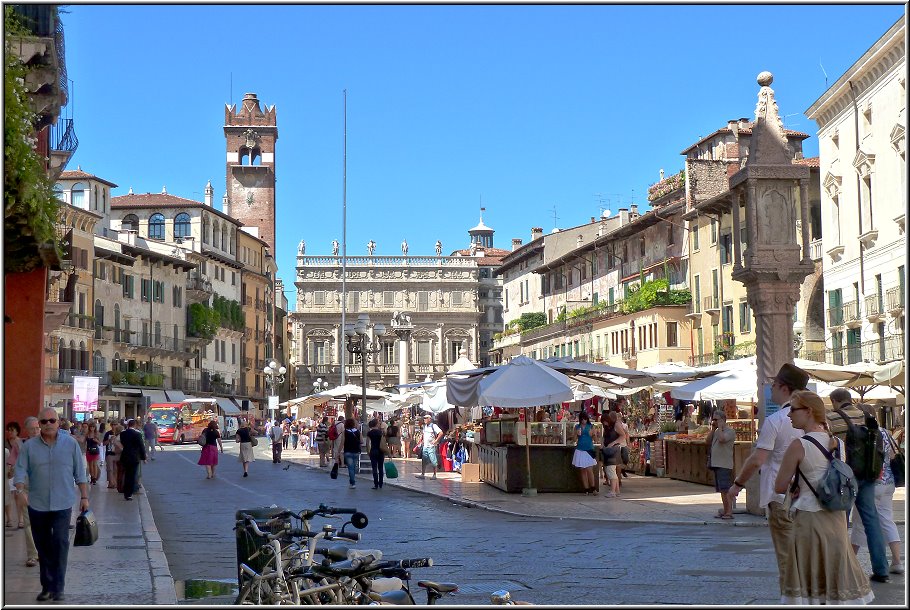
[
  {"x": 153, "y": 379},
  {"x": 530, "y": 320},
  {"x": 230, "y": 313},
  {"x": 202, "y": 321},
  {"x": 667, "y": 185},
  {"x": 116, "y": 377},
  {"x": 133, "y": 378},
  {"x": 29, "y": 202},
  {"x": 651, "y": 293}
]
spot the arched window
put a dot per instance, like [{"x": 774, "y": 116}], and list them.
[
  {"x": 58, "y": 193},
  {"x": 130, "y": 222},
  {"x": 61, "y": 356},
  {"x": 116, "y": 363},
  {"x": 99, "y": 318},
  {"x": 98, "y": 362},
  {"x": 72, "y": 357},
  {"x": 216, "y": 232},
  {"x": 157, "y": 333},
  {"x": 224, "y": 241},
  {"x": 233, "y": 239},
  {"x": 256, "y": 157},
  {"x": 244, "y": 156},
  {"x": 182, "y": 225},
  {"x": 156, "y": 226},
  {"x": 117, "y": 322},
  {"x": 104, "y": 200},
  {"x": 205, "y": 229},
  {"x": 77, "y": 195},
  {"x": 83, "y": 357},
  {"x": 97, "y": 199}
]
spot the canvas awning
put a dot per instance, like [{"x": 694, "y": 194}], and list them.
[
  {"x": 125, "y": 390},
  {"x": 155, "y": 396},
  {"x": 176, "y": 395},
  {"x": 228, "y": 407}
]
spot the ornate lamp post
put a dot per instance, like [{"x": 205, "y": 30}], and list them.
[
  {"x": 359, "y": 343},
  {"x": 274, "y": 375},
  {"x": 320, "y": 386}
]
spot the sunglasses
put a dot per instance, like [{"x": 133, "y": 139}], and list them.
[
  {"x": 47, "y": 421},
  {"x": 792, "y": 409}
]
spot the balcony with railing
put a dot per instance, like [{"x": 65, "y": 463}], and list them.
[
  {"x": 895, "y": 298},
  {"x": 851, "y": 314},
  {"x": 815, "y": 249},
  {"x": 885, "y": 349},
  {"x": 874, "y": 307},
  {"x": 63, "y": 144},
  {"x": 64, "y": 375},
  {"x": 198, "y": 289},
  {"x": 711, "y": 304},
  {"x": 79, "y": 321}
]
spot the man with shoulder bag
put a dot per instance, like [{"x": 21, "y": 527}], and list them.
[{"x": 865, "y": 454}]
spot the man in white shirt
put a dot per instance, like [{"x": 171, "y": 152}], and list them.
[
  {"x": 775, "y": 436},
  {"x": 429, "y": 454}
]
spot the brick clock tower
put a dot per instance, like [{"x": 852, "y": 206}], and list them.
[{"x": 250, "y": 136}]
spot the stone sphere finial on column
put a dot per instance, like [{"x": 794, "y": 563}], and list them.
[{"x": 765, "y": 78}]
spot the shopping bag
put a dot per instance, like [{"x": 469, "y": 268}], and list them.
[
  {"x": 86, "y": 529},
  {"x": 391, "y": 472},
  {"x": 334, "y": 473}
]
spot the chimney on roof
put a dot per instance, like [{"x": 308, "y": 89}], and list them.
[
  {"x": 661, "y": 174},
  {"x": 744, "y": 123},
  {"x": 226, "y": 204},
  {"x": 209, "y": 194},
  {"x": 633, "y": 212},
  {"x": 623, "y": 217},
  {"x": 536, "y": 232},
  {"x": 164, "y": 190},
  {"x": 579, "y": 240},
  {"x": 131, "y": 191},
  {"x": 516, "y": 243}
]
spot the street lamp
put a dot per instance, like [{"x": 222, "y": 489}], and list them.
[
  {"x": 274, "y": 374},
  {"x": 359, "y": 343}
]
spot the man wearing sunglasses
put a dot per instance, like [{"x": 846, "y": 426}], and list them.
[{"x": 53, "y": 464}]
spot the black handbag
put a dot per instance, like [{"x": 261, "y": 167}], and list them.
[
  {"x": 86, "y": 529},
  {"x": 898, "y": 464},
  {"x": 625, "y": 455},
  {"x": 334, "y": 473}
]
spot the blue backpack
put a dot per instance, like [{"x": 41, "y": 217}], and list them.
[{"x": 837, "y": 488}]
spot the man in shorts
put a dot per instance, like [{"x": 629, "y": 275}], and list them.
[{"x": 429, "y": 453}]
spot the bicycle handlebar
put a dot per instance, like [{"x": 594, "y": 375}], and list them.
[{"x": 348, "y": 535}]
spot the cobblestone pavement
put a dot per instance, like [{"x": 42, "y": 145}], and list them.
[{"x": 569, "y": 554}]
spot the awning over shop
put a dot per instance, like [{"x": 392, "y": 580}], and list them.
[
  {"x": 125, "y": 390},
  {"x": 176, "y": 395},
  {"x": 155, "y": 396},
  {"x": 227, "y": 406}
]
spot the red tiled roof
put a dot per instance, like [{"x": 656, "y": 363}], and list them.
[
  {"x": 492, "y": 256},
  {"x": 809, "y": 162},
  {"x": 78, "y": 174},
  {"x": 743, "y": 131}
]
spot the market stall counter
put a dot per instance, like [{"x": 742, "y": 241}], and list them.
[
  {"x": 687, "y": 454},
  {"x": 501, "y": 455}
]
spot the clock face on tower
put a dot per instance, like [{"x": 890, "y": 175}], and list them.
[{"x": 249, "y": 198}]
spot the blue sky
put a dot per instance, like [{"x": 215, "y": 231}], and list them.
[{"x": 528, "y": 108}]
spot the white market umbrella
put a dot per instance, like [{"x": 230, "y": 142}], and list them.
[
  {"x": 343, "y": 392},
  {"x": 732, "y": 384},
  {"x": 524, "y": 382},
  {"x": 434, "y": 398}
]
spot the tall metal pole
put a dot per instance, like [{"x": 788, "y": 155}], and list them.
[{"x": 344, "y": 232}]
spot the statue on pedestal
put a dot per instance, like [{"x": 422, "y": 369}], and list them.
[
  {"x": 404, "y": 247},
  {"x": 438, "y": 248},
  {"x": 371, "y": 245},
  {"x": 334, "y": 247},
  {"x": 301, "y": 248}
]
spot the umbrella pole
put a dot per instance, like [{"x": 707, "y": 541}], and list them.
[{"x": 528, "y": 491}]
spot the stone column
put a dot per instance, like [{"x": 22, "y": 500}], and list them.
[{"x": 404, "y": 340}]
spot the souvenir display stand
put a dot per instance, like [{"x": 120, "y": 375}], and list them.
[
  {"x": 501, "y": 455},
  {"x": 687, "y": 454}
]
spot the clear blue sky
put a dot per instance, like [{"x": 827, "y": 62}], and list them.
[{"x": 527, "y": 107}]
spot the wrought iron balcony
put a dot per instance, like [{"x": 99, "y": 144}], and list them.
[
  {"x": 851, "y": 313},
  {"x": 711, "y": 304},
  {"x": 895, "y": 298},
  {"x": 874, "y": 309}
]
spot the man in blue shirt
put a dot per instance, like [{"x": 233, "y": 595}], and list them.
[{"x": 53, "y": 464}]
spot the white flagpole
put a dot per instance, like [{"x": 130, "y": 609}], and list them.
[{"x": 344, "y": 238}]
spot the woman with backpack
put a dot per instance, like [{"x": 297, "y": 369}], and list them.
[{"x": 820, "y": 567}]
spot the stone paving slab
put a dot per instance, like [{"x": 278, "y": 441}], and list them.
[
  {"x": 643, "y": 499},
  {"x": 125, "y": 566}
]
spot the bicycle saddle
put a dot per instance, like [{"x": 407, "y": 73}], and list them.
[{"x": 442, "y": 587}]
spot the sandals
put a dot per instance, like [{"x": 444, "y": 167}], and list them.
[{"x": 727, "y": 517}]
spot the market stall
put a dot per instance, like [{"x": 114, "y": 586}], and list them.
[{"x": 503, "y": 449}]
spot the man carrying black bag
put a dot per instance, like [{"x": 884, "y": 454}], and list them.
[{"x": 51, "y": 462}]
